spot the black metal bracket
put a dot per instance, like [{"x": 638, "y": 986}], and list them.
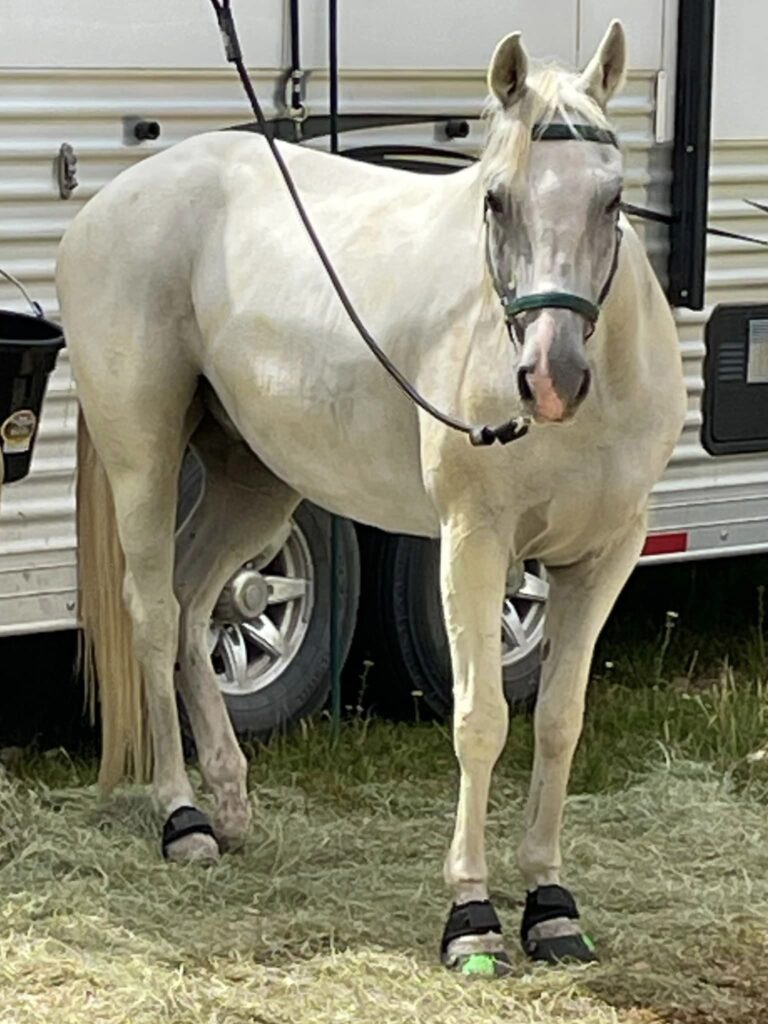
[{"x": 690, "y": 155}]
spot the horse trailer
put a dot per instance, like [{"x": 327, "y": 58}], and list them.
[{"x": 88, "y": 89}]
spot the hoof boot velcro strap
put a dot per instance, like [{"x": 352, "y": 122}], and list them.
[
  {"x": 482, "y": 965},
  {"x": 185, "y": 821},
  {"x": 475, "y": 918}
]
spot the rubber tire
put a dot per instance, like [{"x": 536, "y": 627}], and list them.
[
  {"x": 303, "y": 689},
  {"x": 407, "y": 640}
]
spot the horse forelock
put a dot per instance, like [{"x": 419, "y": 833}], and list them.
[{"x": 551, "y": 95}]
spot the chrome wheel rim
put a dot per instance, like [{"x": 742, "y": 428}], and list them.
[
  {"x": 523, "y": 615},
  {"x": 262, "y": 617}
]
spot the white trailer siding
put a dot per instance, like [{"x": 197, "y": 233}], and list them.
[{"x": 723, "y": 502}]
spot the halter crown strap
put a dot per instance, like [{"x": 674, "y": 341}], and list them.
[{"x": 559, "y": 132}]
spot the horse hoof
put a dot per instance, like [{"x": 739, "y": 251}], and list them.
[
  {"x": 193, "y": 849},
  {"x": 562, "y": 949},
  {"x": 550, "y": 932},
  {"x": 188, "y": 837},
  {"x": 472, "y": 943}
]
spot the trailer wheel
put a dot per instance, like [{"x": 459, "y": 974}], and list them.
[{"x": 273, "y": 666}]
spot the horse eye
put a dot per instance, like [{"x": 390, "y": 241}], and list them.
[
  {"x": 614, "y": 204},
  {"x": 492, "y": 202}
]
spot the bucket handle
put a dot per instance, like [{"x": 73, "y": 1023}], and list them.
[{"x": 37, "y": 309}]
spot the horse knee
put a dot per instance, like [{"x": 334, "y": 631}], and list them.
[
  {"x": 558, "y": 727},
  {"x": 155, "y": 623},
  {"x": 480, "y": 729}
]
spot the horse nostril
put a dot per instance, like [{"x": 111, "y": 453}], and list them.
[
  {"x": 584, "y": 386},
  {"x": 522, "y": 383}
]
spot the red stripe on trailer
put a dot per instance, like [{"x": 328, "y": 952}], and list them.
[{"x": 664, "y": 544}]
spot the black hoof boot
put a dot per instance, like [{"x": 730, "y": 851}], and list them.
[
  {"x": 185, "y": 821},
  {"x": 475, "y": 918},
  {"x": 539, "y": 933}
]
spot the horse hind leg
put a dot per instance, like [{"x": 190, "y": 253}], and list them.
[
  {"x": 126, "y": 517},
  {"x": 243, "y": 509}
]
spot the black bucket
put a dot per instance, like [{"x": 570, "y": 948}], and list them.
[{"x": 29, "y": 346}]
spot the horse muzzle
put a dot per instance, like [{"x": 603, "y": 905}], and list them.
[{"x": 553, "y": 377}]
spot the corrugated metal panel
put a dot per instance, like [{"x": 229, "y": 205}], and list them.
[{"x": 722, "y": 501}]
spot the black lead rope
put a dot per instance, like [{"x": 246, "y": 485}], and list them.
[{"x": 478, "y": 435}]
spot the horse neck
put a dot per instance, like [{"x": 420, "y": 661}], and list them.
[
  {"x": 629, "y": 356},
  {"x": 455, "y": 235},
  {"x": 464, "y": 342}
]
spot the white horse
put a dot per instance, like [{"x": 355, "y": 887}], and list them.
[{"x": 196, "y": 311}]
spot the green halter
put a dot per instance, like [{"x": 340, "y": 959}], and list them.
[{"x": 514, "y": 305}]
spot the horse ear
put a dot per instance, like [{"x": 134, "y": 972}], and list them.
[
  {"x": 605, "y": 73},
  {"x": 508, "y": 70}
]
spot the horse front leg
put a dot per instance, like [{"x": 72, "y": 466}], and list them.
[
  {"x": 581, "y": 597},
  {"x": 473, "y": 565}
]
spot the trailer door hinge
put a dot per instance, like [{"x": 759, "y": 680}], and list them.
[{"x": 65, "y": 166}]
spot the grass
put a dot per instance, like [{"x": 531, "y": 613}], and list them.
[{"x": 333, "y": 911}]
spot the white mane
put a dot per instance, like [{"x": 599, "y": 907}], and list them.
[{"x": 551, "y": 94}]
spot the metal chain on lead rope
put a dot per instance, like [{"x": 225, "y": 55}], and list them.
[{"x": 478, "y": 435}]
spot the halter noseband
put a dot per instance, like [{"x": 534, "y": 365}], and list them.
[{"x": 513, "y": 304}]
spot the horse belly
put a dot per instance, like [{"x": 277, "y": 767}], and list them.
[{"x": 354, "y": 452}]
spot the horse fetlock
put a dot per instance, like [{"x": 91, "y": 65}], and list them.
[
  {"x": 232, "y": 817},
  {"x": 539, "y": 864}
]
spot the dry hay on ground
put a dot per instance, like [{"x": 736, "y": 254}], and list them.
[{"x": 333, "y": 912}]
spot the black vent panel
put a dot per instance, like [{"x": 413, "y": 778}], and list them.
[
  {"x": 731, "y": 361},
  {"x": 735, "y": 402}
]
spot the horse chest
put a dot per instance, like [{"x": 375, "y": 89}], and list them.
[{"x": 580, "y": 501}]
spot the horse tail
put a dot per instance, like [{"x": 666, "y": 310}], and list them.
[{"x": 106, "y": 652}]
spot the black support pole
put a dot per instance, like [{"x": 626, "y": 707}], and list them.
[{"x": 335, "y": 638}]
